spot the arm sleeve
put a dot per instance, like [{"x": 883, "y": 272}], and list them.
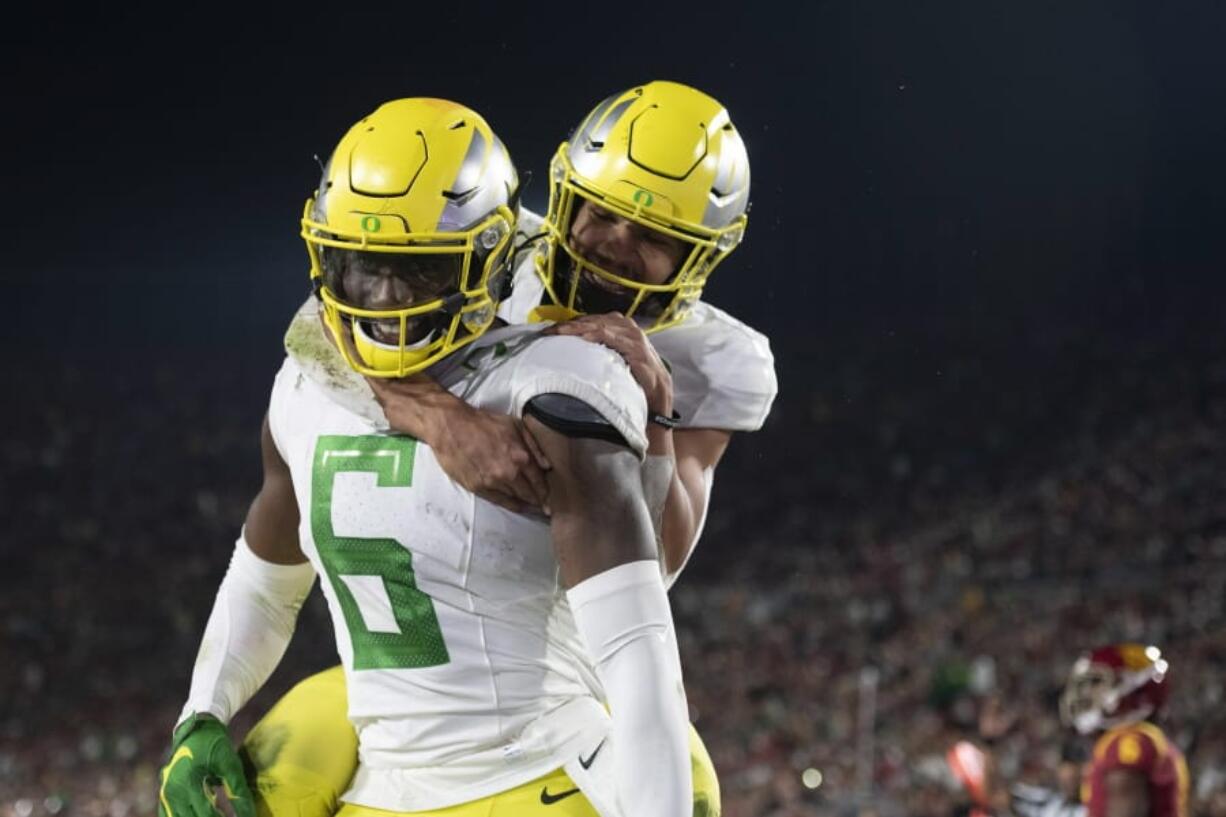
[
  {"x": 624, "y": 619},
  {"x": 247, "y": 633}
]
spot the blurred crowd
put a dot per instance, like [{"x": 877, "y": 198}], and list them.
[
  {"x": 915, "y": 533},
  {"x": 995, "y": 536}
]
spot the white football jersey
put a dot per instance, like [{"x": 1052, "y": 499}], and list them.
[
  {"x": 723, "y": 371},
  {"x": 466, "y": 674}
]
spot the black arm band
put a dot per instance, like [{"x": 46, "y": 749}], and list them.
[
  {"x": 668, "y": 422},
  {"x": 572, "y": 417}
]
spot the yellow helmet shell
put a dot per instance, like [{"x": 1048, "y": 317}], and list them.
[
  {"x": 418, "y": 176},
  {"x": 664, "y": 155},
  {"x": 665, "y": 150}
]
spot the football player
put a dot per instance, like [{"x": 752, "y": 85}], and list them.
[
  {"x": 479, "y": 646},
  {"x": 646, "y": 198},
  {"x": 1115, "y": 693}
]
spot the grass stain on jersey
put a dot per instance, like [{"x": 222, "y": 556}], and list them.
[{"x": 307, "y": 339}]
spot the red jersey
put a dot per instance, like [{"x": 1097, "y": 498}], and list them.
[{"x": 1145, "y": 749}]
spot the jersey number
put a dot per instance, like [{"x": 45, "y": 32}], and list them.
[{"x": 391, "y": 623}]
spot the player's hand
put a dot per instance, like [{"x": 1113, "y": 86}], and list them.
[
  {"x": 624, "y": 336},
  {"x": 201, "y": 757},
  {"x": 489, "y": 454}
]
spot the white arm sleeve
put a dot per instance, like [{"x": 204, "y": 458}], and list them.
[
  {"x": 247, "y": 632},
  {"x": 624, "y": 619}
]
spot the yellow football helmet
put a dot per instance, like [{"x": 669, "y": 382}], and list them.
[
  {"x": 667, "y": 157},
  {"x": 409, "y": 234}
]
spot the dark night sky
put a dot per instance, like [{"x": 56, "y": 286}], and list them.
[{"x": 917, "y": 165}]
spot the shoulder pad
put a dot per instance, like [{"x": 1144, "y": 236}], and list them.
[
  {"x": 1130, "y": 748},
  {"x": 723, "y": 371}
]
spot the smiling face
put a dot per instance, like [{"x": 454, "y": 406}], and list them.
[
  {"x": 603, "y": 244},
  {"x": 410, "y": 225},
  {"x": 389, "y": 281},
  {"x": 623, "y": 247},
  {"x": 646, "y": 198}
]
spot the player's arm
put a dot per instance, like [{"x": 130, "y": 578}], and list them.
[
  {"x": 246, "y": 635},
  {"x": 1127, "y": 793},
  {"x": 677, "y": 460},
  {"x": 488, "y": 454},
  {"x": 600, "y": 518},
  {"x": 272, "y": 520},
  {"x": 606, "y": 549},
  {"x": 693, "y": 452}
]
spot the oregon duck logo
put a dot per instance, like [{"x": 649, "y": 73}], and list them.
[
  {"x": 644, "y": 198},
  {"x": 371, "y": 224}
]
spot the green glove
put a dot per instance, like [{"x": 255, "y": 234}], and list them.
[{"x": 201, "y": 757}]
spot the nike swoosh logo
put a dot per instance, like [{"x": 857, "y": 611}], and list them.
[
  {"x": 549, "y": 799},
  {"x": 587, "y": 764}
]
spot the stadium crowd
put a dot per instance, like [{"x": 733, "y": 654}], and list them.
[{"x": 910, "y": 536}]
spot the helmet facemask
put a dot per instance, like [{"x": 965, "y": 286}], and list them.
[
  {"x": 1084, "y": 701},
  {"x": 588, "y": 286},
  {"x": 582, "y": 285},
  {"x": 666, "y": 158},
  {"x": 409, "y": 235},
  {"x": 361, "y": 277},
  {"x": 395, "y": 309}
]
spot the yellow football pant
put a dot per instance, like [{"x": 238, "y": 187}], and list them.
[{"x": 301, "y": 756}]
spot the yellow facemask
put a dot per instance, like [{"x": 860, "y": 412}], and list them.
[
  {"x": 420, "y": 185},
  {"x": 666, "y": 157}
]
